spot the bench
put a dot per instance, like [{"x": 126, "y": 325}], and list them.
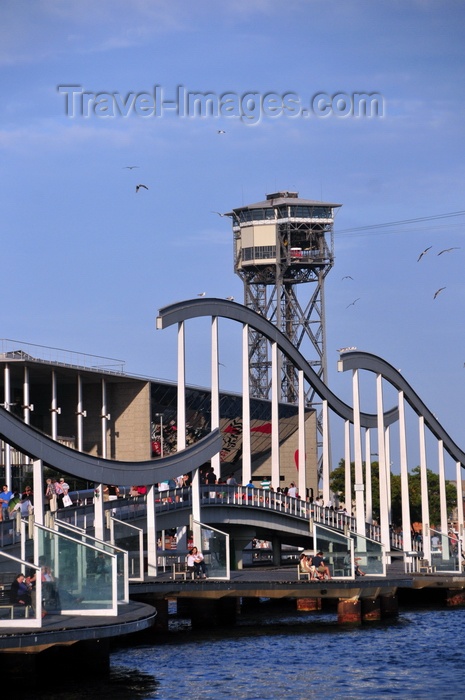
[
  {"x": 424, "y": 567},
  {"x": 11, "y": 608},
  {"x": 302, "y": 575},
  {"x": 180, "y": 569}
]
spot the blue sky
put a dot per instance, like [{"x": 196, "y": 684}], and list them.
[{"x": 87, "y": 263}]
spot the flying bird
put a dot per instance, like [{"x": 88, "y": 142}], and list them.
[
  {"x": 130, "y": 167},
  {"x": 139, "y": 186},
  {"x": 352, "y": 303},
  {"x": 446, "y": 250},
  {"x": 424, "y": 252},
  {"x": 202, "y": 294},
  {"x": 437, "y": 292},
  {"x": 230, "y": 298},
  {"x": 220, "y": 131},
  {"x": 219, "y": 213},
  {"x": 347, "y": 277}
]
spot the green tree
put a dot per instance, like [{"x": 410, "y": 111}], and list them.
[{"x": 337, "y": 485}]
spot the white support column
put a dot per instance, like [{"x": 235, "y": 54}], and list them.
[
  {"x": 384, "y": 473},
  {"x": 215, "y": 392},
  {"x": 54, "y": 409},
  {"x": 358, "y": 486},
  {"x": 424, "y": 491},
  {"x": 99, "y": 513},
  {"x": 7, "y": 448},
  {"x": 387, "y": 447},
  {"x": 246, "y": 442},
  {"x": 368, "y": 481},
  {"x": 151, "y": 532},
  {"x": 81, "y": 414},
  {"x": 405, "y": 496},
  {"x": 195, "y": 486},
  {"x": 442, "y": 489},
  {"x": 27, "y": 406},
  {"x": 181, "y": 533},
  {"x": 459, "y": 477},
  {"x": 104, "y": 417},
  {"x": 347, "y": 468},
  {"x": 181, "y": 407},
  {"x": 275, "y": 388},
  {"x": 38, "y": 491},
  {"x": 326, "y": 465},
  {"x": 302, "y": 461}
]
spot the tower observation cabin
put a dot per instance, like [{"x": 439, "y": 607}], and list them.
[{"x": 280, "y": 245}]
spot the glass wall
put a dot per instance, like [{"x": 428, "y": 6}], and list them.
[
  {"x": 445, "y": 552},
  {"x": 369, "y": 555},
  {"x": 215, "y": 549},
  {"x": 77, "y": 577},
  {"x": 337, "y": 551}
]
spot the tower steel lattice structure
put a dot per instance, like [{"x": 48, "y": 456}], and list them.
[{"x": 280, "y": 245}]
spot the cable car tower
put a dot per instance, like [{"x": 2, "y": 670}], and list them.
[{"x": 280, "y": 245}]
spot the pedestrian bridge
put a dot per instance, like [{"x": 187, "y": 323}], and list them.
[{"x": 241, "y": 510}]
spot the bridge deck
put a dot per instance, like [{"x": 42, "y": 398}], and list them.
[{"x": 273, "y": 582}]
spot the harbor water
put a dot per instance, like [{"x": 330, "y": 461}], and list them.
[{"x": 279, "y": 652}]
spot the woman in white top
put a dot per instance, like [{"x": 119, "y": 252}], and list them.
[{"x": 195, "y": 559}]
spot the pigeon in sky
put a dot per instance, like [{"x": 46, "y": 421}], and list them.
[
  {"x": 447, "y": 250},
  {"x": 139, "y": 186},
  {"x": 352, "y": 303},
  {"x": 437, "y": 292},
  {"x": 130, "y": 167},
  {"x": 202, "y": 294},
  {"x": 424, "y": 252},
  {"x": 220, "y": 131},
  {"x": 230, "y": 298},
  {"x": 347, "y": 277}
]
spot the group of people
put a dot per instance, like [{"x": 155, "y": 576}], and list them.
[
  {"x": 318, "y": 570},
  {"x": 196, "y": 563},
  {"x": 57, "y": 493},
  {"x": 315, "y": 566},
  {"x": 13, "y": 501}
]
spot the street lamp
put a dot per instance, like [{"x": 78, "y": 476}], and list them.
[{"x": 160, "y": 416}]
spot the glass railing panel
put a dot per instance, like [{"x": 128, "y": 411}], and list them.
[
  {"x": 15, "y": 614},
  {"x": 77, "y": 577},
  {"x": 129, "y": 538},
  {"x": 337, "y": 550},
  {"x": 121, "y": 555},
  {"x": 368, "y": 555},
  {"x": 215, "y": 549},
  {"x": 445, "y": 552}
]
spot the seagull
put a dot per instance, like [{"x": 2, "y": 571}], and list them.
[
  {"x": 130, "y": 167},
  {"x": 219, "y": 213},
  {"x": 202, "y": 294},
  {"x": 347, "y": 277},
  {"x": 139, "y": 186},
  {"x": 220, "y": 131},
  {"x": 424, "y": 253},
  {"x": 352, "y": 303},
  {"x": 446, "y": 250},
  {"x": 439, "y": 290}
]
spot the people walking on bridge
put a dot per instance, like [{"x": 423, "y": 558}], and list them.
[
  {"x": 292, "y": 490},
  {"x": 50, "y": 495},
  {"x": 5, "y": 496}
]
